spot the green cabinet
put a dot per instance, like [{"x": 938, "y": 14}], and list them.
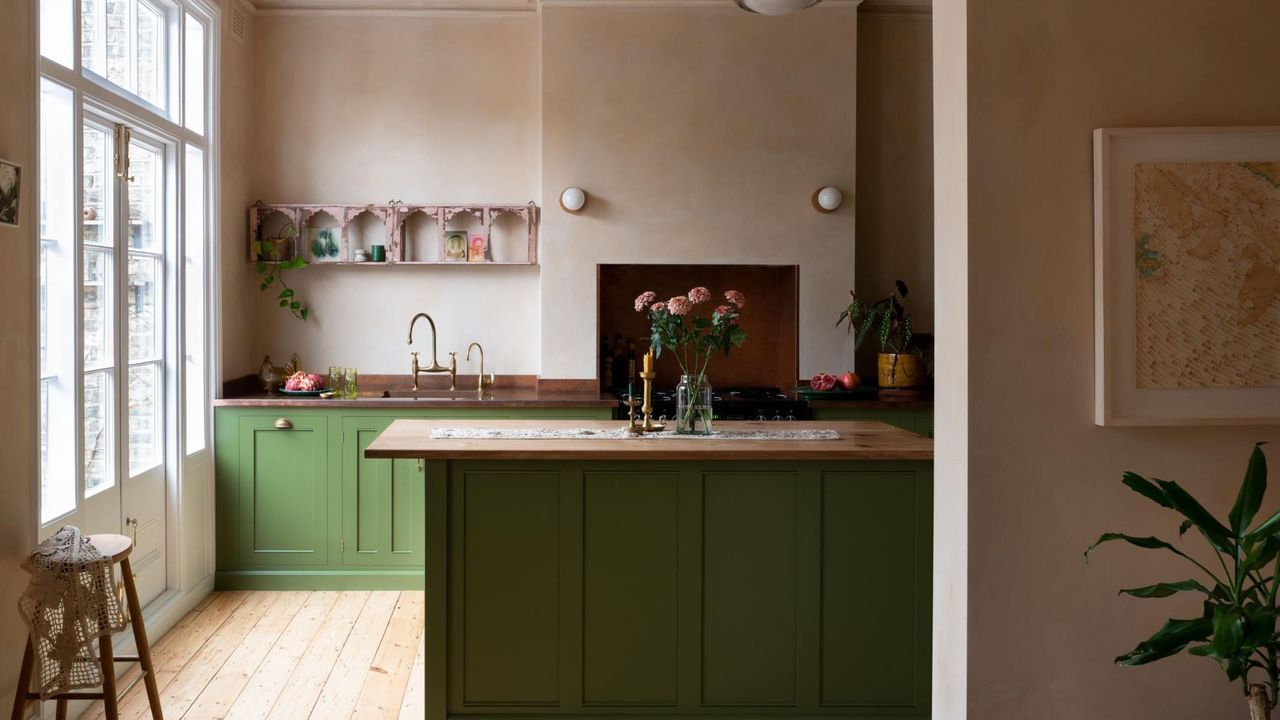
[
  {"x": 596, "y": 588},
  {"x": 299, "y": 507}
]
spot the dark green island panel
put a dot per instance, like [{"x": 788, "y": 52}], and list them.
[
  {"x": 299, "y": 507},
  {"x": 748, "y": 583}
]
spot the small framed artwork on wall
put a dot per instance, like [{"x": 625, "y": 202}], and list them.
[
  {"x": 1187, "y": 276},
  {"x": 455, "y": 246},
  {"x": 476, "y": 249},
  {"x": 10, "y": 192}
]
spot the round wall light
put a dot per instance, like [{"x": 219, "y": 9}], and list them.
[
  {"x": 827, "y": 199},
  {"x": 573, "y": 199},
  {"x": 776, "y": 7}
]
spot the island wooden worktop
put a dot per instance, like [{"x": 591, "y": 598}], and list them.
[{"x": 858, "y": 441}]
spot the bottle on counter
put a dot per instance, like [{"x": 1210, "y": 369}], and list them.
[{"x": 631, "y": 363}]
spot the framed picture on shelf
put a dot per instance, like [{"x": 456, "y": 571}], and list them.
[
  {"x": 455, "y": 246},
  {"x": 10, "y": 192},
  {"x": 325, "y": 246},
  {"x": 476, "y": 249},
  {"x": 1187, "y": 276}
]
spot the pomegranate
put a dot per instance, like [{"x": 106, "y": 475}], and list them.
[
  {"x": 304, "y": 382},
  {"x": 850, "y": 381},
  {"x": 823, "y": 382}
]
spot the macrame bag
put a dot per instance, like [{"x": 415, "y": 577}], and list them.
[{"x": 70, "y": 602}]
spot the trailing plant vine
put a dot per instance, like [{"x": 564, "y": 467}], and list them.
[{"x": 271, "y": 271}]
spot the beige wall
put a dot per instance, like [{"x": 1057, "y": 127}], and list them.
[
  {"x": 895, "y": 164},
  {"x": 236, "y": 123},
  {"x": 701, "y": 134},
  {"x": 1043, "y": 480},
  {"x": 18, "y": 436},
  {"x": 368, "y": 108}
]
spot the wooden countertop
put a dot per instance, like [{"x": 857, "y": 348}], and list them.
[
  {"x": 498, "y": 397},
  {"x": 858, "y": 441}
]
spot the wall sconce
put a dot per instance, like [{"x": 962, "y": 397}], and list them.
[
  {"x": 573, "y": 199},
  {"x": 827, "y": 199}
]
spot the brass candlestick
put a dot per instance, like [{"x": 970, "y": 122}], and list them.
[
  {"x": 649, "y": 425},
  {"x": 632, "y": 404}
]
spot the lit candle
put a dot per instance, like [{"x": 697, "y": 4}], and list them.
[{"x": 648, "y": 361}]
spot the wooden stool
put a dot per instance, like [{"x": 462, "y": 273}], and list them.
[{"x": 116, "y": 547}]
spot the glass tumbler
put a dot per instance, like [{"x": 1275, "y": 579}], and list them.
[
  {"x": 335, "y": 379},
  {"x": 350, "y": 388}
]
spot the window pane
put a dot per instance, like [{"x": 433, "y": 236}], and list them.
[
  {"x": 57, "y": 298},
  {"x": 98, "y": 461},
  {"x": 96, "y": 296},
  {"x": 56, "y": 31},
  {"x": 144, "y": 417},
  {"x": 146, "y": 212},
  {"x": 143, "y": 300},
  {"x": 194, "y": 300},
  {"x": 150, "y": 41},
  {"x": 98, "y": 160},
  {"x": 194, "y": 69},
  {"x": 124, "y": 42}
]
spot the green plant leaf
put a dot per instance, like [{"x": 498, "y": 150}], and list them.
[
  {"x": 284, "y": 303},
  {"x": 1184, "y": 527},
  {"x": 1170, "y": 639},
  {"x": 1228, "y": 630},
  {"x": 295, "y": 305},
  {"x": 1148, "y": 543},
  {"x": 285, "y": 293},
  {"x": 305, "y": 312},
  {"x": 1146, "y": 488},
  {"x": 1164, "y": 590},
  {"x": 1218, "y": 535},
  {"x": 262, "y": 267},
  {"x": 1252, "y": 489}
]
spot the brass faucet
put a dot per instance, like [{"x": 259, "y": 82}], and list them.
[
  {"x": 483, "y": 383},
  {"x": 435, "y": 366}
]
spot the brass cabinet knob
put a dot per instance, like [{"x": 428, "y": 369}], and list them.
[{"x": 284, "y": 424}]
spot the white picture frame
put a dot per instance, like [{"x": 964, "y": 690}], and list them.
[
  {"x": 10, "y": 193},
  {"x": 1119, "y": 401}
]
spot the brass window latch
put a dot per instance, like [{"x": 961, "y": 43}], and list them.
[{"x": 123, "y": 137}]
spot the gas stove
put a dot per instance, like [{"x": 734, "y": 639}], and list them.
[{"x": 746, "y": 403}]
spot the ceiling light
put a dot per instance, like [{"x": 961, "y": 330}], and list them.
[{"x": 776, "y": 7}]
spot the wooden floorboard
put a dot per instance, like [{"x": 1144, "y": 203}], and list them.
[{"x": 290, "y": 656}]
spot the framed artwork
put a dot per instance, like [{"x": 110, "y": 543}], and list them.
[
  {"x": 1187, "y": 276},
  {"x": 455, "y": 246},
  {"x": 10, "y": 192},
  {"x": 476, "y": 249}
]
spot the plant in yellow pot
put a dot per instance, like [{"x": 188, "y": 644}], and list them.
[{"x": 899, "y": 365}]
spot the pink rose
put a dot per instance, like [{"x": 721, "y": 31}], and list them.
[
  {"x": 644, "y": 300},
  {"x": 679, "y": 305},
  {"x": 738, "y": 299},
  {"x": 699, "y": 295},
  {"x": 658, "y": 307},
  {"x": 724, "y": 310}
]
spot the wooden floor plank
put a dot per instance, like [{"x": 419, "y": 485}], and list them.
[
  {"x": 173, "y": 652},
  {"x": 191, "y": 681},
  {"x": 414, "y": 705},
  {"x": 264, "y": 687},
  {"x": 225, "y": 687},
  {"x": 308, "y": 678},
  {"x": 385, "y": 683},
  {"x": 342, "y": 690}
]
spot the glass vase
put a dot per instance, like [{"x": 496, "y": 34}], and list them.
[{"x": 693, "y": 406}]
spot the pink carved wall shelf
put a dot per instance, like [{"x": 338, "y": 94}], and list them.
[{"x": 331, "y": 234}]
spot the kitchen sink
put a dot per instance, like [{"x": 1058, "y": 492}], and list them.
[{"x": 425, "y": 395}]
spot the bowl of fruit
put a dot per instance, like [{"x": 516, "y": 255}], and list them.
[
  {"x": 303, "y": 384},
  {"x": 846, "y": 386}
]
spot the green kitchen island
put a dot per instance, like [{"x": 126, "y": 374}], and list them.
[{"x": 674, "y": 577}]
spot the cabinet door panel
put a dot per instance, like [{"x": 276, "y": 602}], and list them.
[
  {"x": 749, "y": 631},
  {"x": 870, "y": 593},
  {"x": 508, "y": 553},
  {"x": 383, "y": 502},
  {"x": 284, "y": 492},
  {"x": 629, "y": 618}
]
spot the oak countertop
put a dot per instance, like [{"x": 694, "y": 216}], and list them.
[
  {"x": 859, "y": 440},
  {"x": 499, "y": 397}
]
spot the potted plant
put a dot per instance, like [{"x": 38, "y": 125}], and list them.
[
  {"x": 1237, "y": 628},
  {"x": 694, "y": 339},
  {"x": 275, "y": 256},
  {"x": 898, "y": 365}
]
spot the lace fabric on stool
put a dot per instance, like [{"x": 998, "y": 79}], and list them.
[{"x": 70, "y": 602}]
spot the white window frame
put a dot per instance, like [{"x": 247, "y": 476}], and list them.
[{"x": 92, "y": 91}]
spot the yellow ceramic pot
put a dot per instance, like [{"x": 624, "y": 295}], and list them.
[{"x": 899, "y": 370}]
